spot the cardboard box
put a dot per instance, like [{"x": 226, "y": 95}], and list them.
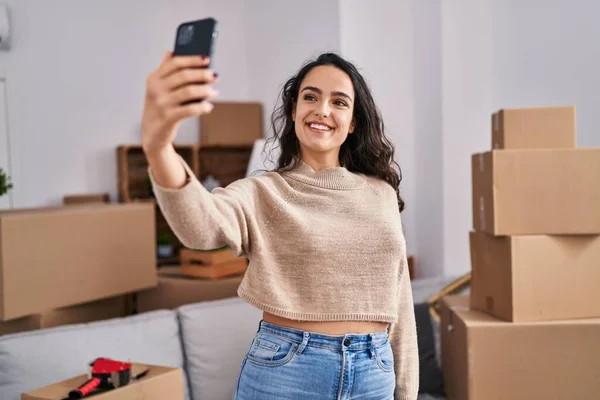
[
  {"x": 61, "y": 256},
  {"x": 175, "y": 289},
  {"x": 214, "y": 256},
  {"x": 232, "y": 124},
  {"x": 530, "y": 192},
  {"x": 159, "y": 384},
  {"x": 114, "y": 307},
  {"x": 86, "y": 198},
  {"x": 534, "y": 128},
  {"x": 235, "y": 267},
  {"x": 535, "y": 277},
  {"x": 486, "y": 358}
]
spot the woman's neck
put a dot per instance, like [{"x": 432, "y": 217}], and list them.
[{"x": 319, "y": 163}]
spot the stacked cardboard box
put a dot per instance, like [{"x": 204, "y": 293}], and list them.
[
  {"x": 73, "y": 264},
  {"x": 231, "y": 123},
  {"x": 484, "y": 357},
  {"x": 531, "y": 328}
]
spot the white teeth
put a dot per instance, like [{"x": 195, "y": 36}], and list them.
[{"x": 319, "y": 127}]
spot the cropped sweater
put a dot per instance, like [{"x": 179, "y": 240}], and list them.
[{"x": 323, "y": 246}]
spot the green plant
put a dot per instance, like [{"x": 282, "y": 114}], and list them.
[
  {"x": 5, "y": 184},
  {"x": 163, "y": 237}
]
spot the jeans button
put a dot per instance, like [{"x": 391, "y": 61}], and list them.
[{"x": 346, "y": 342}]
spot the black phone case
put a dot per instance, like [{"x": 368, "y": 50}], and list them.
[{"x": 196, "y": 38}]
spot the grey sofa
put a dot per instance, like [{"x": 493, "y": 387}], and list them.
[{"x": 207, "y": 340}]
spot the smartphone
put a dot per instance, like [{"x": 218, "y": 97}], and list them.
[{"x": 196, "y": 38}]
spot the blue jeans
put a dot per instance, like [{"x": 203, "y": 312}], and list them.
[{"x": 286, "y": 363}]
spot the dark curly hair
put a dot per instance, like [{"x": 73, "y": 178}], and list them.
[{"x": 366, "y": 151}]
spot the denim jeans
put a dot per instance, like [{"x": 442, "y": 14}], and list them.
[{"x": 290, "y": 364}]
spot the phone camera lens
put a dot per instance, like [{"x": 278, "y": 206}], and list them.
[{"x": 186, "y": 33}]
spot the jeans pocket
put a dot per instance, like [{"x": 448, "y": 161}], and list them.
[
  {"x": 271, "y": 350},
  {"x": 385, "y": 357}
]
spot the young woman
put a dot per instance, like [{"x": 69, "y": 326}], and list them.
[{"x": 322, "y": 231}]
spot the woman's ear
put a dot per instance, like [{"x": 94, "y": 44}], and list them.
[
  {"x": 352, "y": 126},
  {"x": 294, "y": 111}
]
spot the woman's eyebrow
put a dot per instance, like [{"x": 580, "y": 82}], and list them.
[{"x": 334, "y": 93}]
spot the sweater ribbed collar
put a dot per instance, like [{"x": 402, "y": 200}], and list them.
[{"x": 337, "y": 178}]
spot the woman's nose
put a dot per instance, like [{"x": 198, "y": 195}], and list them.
[{"x": 322, "y": 110}]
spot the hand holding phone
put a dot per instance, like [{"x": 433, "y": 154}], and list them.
[
  {"x": 196, "y": 38},
  {"x": 181, "y": 84}
]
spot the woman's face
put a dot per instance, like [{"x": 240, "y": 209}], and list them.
[{"x": 323, "y": 113}]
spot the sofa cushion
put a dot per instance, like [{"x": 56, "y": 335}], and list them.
[
  {"x": 216, "y": 336},
  {"x": 38, "y": 358}
]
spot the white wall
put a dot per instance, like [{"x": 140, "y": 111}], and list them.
[
  {"x": 466, "y": 106},
  {"x": 280, "y": 36},
  {"x": 378, "y": 38},
  {"x": 547, "y": 52},
  {"x": 5, "y": 164},
  {"x": 427, "y": 82}
]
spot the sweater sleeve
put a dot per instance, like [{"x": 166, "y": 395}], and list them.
[
  {"x": 206, "y": 220},
  {"x": 403, "y": 338}
]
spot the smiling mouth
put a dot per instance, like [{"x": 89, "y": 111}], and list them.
[{"x": 319, "y": 127}]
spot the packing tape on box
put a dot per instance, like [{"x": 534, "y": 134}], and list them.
[
  {"x": 495, "y": 129},
  {"x": 481, "y": 203},
  {"x": 482, "y": 212}
]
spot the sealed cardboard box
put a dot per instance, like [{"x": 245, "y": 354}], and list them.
[
  {"x": 534, "y": 128},
  {"x": 174, "y": 289},
  {"x": 114, "y": 307},
  {"x": 530, "y": 192},
  {"x": 487, "y": 358},
  {"x": 61, "y": 256},
  {"x": 232, "y": 124},
  {"x": 535, "y": 277},
  {"x": 159, "y": 384}
]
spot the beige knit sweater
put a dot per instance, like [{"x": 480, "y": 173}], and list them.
[{"x": 323, "y": 246}]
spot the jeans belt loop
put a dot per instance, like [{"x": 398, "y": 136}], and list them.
[
  {"x": 371, "y": 346},
  {"x": 304, "y": 343}
]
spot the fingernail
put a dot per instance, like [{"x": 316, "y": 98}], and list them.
[
  {"x": 203, "y": 58},
  {"x": 216, "y": 74}
]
